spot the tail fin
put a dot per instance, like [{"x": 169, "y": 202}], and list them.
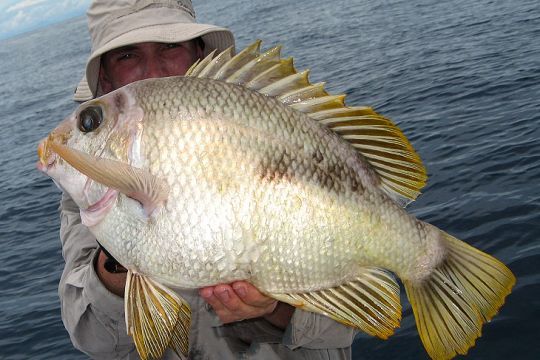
[{"x": 465, "y": 291}]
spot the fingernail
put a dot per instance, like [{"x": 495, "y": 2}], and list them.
[{"x": 241, "y": 290}]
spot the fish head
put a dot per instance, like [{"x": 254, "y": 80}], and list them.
[{"x": 104, "y": 128}]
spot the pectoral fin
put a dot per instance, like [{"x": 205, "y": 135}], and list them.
[
  {"x": 136, "y": 183},
  {"x": 156, "y": 317},
  {"x": 370, "y": 302}
]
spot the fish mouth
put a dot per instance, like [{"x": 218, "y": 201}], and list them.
[{"x": 47, "y": 158}]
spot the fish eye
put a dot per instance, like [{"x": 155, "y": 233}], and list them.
[{"x": 90, "y": 119}]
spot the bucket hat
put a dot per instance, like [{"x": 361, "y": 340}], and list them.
[{"x": 113, "y": 24}]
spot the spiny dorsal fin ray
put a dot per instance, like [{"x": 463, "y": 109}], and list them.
[
  {"x": 276, "y": 72},
  {"x": 298, "y": 95},
  {"x": 291, "y": 82},
  {"x": 200, "y": 65},
  {"x": 156, "y": 317},
  {"x": 375, "y": 137},
  {"x": 238, "y": 61},
  {"x": 340, "y": 114},
  {"x": 211, "y": 65},
  {"x": 370, "y": 302},
  {"x": 256, "y": 66},
  {"x": 320, "y": 103}
]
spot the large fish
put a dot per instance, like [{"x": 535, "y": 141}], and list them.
[{"x": 243, "y": 170}]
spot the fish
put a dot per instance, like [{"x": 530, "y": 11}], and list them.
[{"x": 244, "y": 170}]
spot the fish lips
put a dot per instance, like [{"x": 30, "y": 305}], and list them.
[{"x": 46, "y": 157}]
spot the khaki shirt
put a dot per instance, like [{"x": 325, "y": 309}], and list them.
[{"x": 94, "y": 317}]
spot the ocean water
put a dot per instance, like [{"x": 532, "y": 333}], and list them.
[{"x": 461, "y": 78}]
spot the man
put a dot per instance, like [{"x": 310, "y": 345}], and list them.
[{"x": 135, "y": 40}]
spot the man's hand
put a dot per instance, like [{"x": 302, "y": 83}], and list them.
[{"x": 241, "y": 300}]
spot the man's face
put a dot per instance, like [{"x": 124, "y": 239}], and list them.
[{"x": 130, "y": 63}]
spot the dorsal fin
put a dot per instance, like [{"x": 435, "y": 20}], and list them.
[{"x": 377, "y": 138}]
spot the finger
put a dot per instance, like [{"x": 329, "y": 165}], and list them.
[
  {"x": 221, "y": 296},
  {"x": 229, "y": 306},
  {"x": 230, "y": 299},
  {"x": 250, "y": 295},
  {"x": 208, "y": 295}
]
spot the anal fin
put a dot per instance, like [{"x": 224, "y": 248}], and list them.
[
  {"x": 370, "y": 302},
  {"x": 156, "y": 317}
]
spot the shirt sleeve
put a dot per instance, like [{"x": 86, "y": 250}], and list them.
[
  {"x": 93, "y": 316},
  {"x": 306, "y": 330},
  {"x": 315, "y": 331}
]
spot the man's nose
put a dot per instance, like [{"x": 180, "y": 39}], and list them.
[{"x": 154, "y": 69}]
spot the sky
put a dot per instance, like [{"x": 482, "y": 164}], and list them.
[{"x": 20, "y": 16}]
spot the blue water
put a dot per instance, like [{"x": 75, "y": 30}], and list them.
[{"x": 461, "y": 78}]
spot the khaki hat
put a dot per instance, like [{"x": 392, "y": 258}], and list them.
[{"x": 113, "y": 24}]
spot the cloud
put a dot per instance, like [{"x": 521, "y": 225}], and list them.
[
  {"x": 21, "y": 16},
  {"x": 14, "y": 22},
  {"x": 25, "y": 4}
]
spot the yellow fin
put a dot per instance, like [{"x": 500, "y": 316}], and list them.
[
  {"x": 379, "y": 140},
  {"x": 370, "y": 302},
  {"x": 331, "y": 116},
  {"x": 156, "y": 317},
  {"x": 274, "y": 73},
  {"x": 210, "y": 65},
  {"x": 136, "y": 183},
  {"x": 286, "y": 84},
  {"x": 217, "y": 63},
  {"x": 298, "y": 95},
  {"x": 320, "y": 103},
  {"x": 256, "y": 66},
  {"x": 387, "y": 149},
  {"x": 238, "y": 61},
  {"x": 461, "y": 294},
  {"x": 201, "y": 66}
]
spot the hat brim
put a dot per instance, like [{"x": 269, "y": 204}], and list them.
[{"x": 213, "y": 36}]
